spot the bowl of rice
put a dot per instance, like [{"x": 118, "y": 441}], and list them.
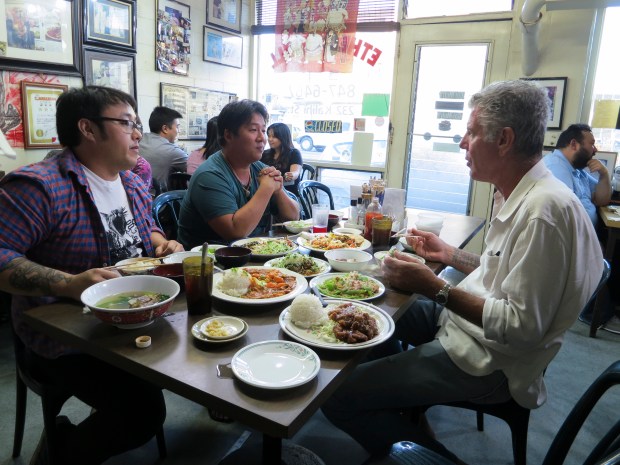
[{"x": 306, "y": 311}]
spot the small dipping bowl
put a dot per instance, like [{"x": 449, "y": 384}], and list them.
[
  {"x": 231, "y": 257},
  {"x": 173, "y": 271},
  {"x": 332, "y": 221}
]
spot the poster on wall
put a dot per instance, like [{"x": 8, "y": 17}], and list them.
[
  {"x": 174, "y": 33},
  {"x": 196, "y": 105},
  {"x": 315, "y": 36}
]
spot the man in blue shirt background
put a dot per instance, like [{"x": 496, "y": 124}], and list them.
[{"x": 573, "y": 153}]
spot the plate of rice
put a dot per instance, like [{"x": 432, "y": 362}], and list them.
[
  {"x": 267, "y": 247},
  {"x": 258, "y": 285},
  {"x": 306, "y": 321},
  {"x": 302, "y": 264}
]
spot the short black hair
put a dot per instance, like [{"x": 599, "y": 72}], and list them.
[
  {"x": 162, "y": 116},
  {"x": 88, "y": 102},
  {"x": 236, "y": 114},
  {"x": 574, "y": 131}
]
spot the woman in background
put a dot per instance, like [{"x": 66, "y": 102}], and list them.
[
  {"x": 211, "y": 146},
  {"x": 283, "y": 156}
]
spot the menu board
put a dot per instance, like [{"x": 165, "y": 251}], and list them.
[{"x": 196, "y": 105}]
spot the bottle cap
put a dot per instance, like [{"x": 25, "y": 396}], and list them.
[{"x": 353, "y": 203}]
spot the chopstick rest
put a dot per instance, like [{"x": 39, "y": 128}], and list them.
[{"x": 142, "y": 342}]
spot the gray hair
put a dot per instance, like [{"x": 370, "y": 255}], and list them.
[{"x": 521, "y": 105}]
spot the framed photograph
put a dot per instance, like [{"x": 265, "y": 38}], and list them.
[
  {"x": 40, "y": 36},
  {"x": 224, "y": 14},
  {"x": 174, "y": 33},
  {"x": 110, "y": 23},
  {"x": 608, "y": 159},
  {"x": 39, "y": 114},
  {"x": 110, "y": 69},
  {"x": 556, "y": 91},
  {"x": 223, "y": 48}
]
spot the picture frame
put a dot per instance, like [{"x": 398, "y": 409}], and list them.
[
  {"x": 110, "y": 69},
  {"x": 197, "y": 105},
  {"x": 173, "y": 37},
  {"x": 110, "y": 23},
  {"x": 39, "y": 114},
  {"x": 608, "y": 159},
  {"x": 222, "y": 48},
  {"x": 40, "y": 36},
  {"x": 225, "y": 14},
  {"x": 556, "y": 91}
]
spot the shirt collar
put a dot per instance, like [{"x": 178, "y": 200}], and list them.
[{"x": 538, "y": 172}]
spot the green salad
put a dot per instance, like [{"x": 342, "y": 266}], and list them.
[
  {"x": 270, "y": 246},
  {"x": 299, "y": 263},
  {"x": 352, "y": 285}
]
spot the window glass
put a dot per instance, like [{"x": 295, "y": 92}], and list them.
[
  {"x": 606, "y": 93},
  {"x": 429, "y": 8},
  {"x": 324, "y": 109}
]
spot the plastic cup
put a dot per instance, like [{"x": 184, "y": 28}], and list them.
[
  {"x": 381, "y": 231},
  {"x": 198, "y": 288},
  {"x": 320, "y": 217},
  {"x": 430, "y": 222}
]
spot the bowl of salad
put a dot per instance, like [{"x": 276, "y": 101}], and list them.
[{"x": 295, "y": 227}]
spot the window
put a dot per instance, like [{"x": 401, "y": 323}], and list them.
[{"x": 426, "y": 8}]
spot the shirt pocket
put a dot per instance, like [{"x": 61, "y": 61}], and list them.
[{"x": 490, "y": 265}]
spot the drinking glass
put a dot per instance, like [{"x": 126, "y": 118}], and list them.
[
  {"x": 198, "y": 284},
  {"x": 381, "y": 231},
  {"x": 320, "y": 217}
]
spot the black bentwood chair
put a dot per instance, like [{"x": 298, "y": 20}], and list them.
[
  {"x": 606, "y": 451},
  {"x": 309, "y": 194},
  {"x": 178, "y": 181},
  {"x": 308, "y": 173}
]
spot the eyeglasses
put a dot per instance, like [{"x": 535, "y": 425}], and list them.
[{"x": 126, "y": 123}]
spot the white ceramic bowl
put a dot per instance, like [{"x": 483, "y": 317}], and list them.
[
  {"x": 430, "y": 222},
  {"x": 295, "y": 227},
  {"x": 379, "y": 256},
  {"x": 180, "y": 256},
  {"x": 138, "y": 265},
  {"x": 212, "y": 247},
  {"x": 346, "y": 231},
  {"x": 348, "y": 259},
  {"x": 132, "y": 317}
]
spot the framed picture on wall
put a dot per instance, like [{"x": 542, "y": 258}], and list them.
[
  {"x": 110, "y": 23},
  {"x": 224, "y": 14},
  {"x": 174, "y": 32},
  {"x": 39, "y": 114},
  {"x": 222, "y": 48},
  {"x": 556, "y": 91},
  {"x": 110, "y": 69},
  {"x": 608, "y": 159},
  {"x": 40, "y": 36}
]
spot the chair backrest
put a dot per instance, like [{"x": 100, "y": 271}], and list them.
[
  {"x": 166, "y": 209},
  {"x": 601, "y": 283},
  {"x": 308, "y": 193},
  {"x": 296, "y": 199},
  {"x": 178, "y": 181},
  {"x": 308, "y": 173},
  {"x": 609, "y": 445}
]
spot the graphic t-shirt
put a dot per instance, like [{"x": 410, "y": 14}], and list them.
[{"x": 120, "y": 226}]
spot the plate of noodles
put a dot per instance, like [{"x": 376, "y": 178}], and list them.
[{"x": 330, "y": 241}]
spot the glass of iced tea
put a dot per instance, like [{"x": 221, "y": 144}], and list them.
[{"x": 198, "y": 284}]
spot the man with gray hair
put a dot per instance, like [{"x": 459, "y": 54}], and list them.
[{"x": 489, "y": 338}]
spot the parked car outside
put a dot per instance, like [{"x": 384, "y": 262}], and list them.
[{"x": 342, "y": 151}]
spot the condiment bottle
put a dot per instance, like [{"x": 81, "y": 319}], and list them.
[
  {"x": 361, "y": 211},
  {"x": 373, "y": 211},
  {"x": 353, "y": 211}
]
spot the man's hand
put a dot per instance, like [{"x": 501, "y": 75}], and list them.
[
  {"x": 404, "y": 272},
  {"x": 428, "y": 245},
  {"x": 272, "y": 178},
  {"x": 168, "y": 247},
  {"x": 80, "y": 282},
  {"x": 596, "y": 166}
]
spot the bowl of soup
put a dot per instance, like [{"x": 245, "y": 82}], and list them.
[
  {"x": 348, "y": 259},
  {"x": 131, "y": 301}
]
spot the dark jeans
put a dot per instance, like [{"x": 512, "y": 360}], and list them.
[{"x": 128, "y": 411}]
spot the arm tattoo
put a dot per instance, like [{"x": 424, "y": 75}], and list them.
[
  {"x": 465, "y": 260},
  {"x": 34, "y": 278}
]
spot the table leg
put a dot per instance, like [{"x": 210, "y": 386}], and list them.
[{"x": 272, "y": 450}]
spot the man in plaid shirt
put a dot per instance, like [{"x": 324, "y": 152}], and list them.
[{"x": 64, "y": 220}]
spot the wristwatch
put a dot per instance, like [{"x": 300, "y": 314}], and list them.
[{"x": 442, "y": 296}]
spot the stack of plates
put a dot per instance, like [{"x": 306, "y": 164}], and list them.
[{"x": 219, "y": 329}]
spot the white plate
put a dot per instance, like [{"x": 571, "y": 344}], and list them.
[
  {"x": 213, "y": 247},
  {"x": 319, "y": 280},
  {"x": 178, "y": 257},
  {"x": 201, "y": 337},
  {"x": 302, "y": 285},
  {"x": 230, "y": 324},
  {"x": 403, "y": 242},
  {"x": 275, "y": 364},
  {"x": 243, "y": 242},
  {"x": 325, "y": 267},
  {"x": 385, "y": 323},
  {"x": 306, "y": 243}
]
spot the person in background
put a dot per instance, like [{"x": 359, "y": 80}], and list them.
[
  {"x": 158, "y": 147},
  {"x": 232, "y": 194},
  {"x": 143, "y": 167},
  {"x": 64, "y": 220},
  {"x": 210, "y": 146},
  {"x": 281, "y": 154},
  {"x": 491, "y": 337},
  {"x": 574, "y": 152}
]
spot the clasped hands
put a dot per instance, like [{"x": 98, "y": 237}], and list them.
[{"x": 273, "y": 175}]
